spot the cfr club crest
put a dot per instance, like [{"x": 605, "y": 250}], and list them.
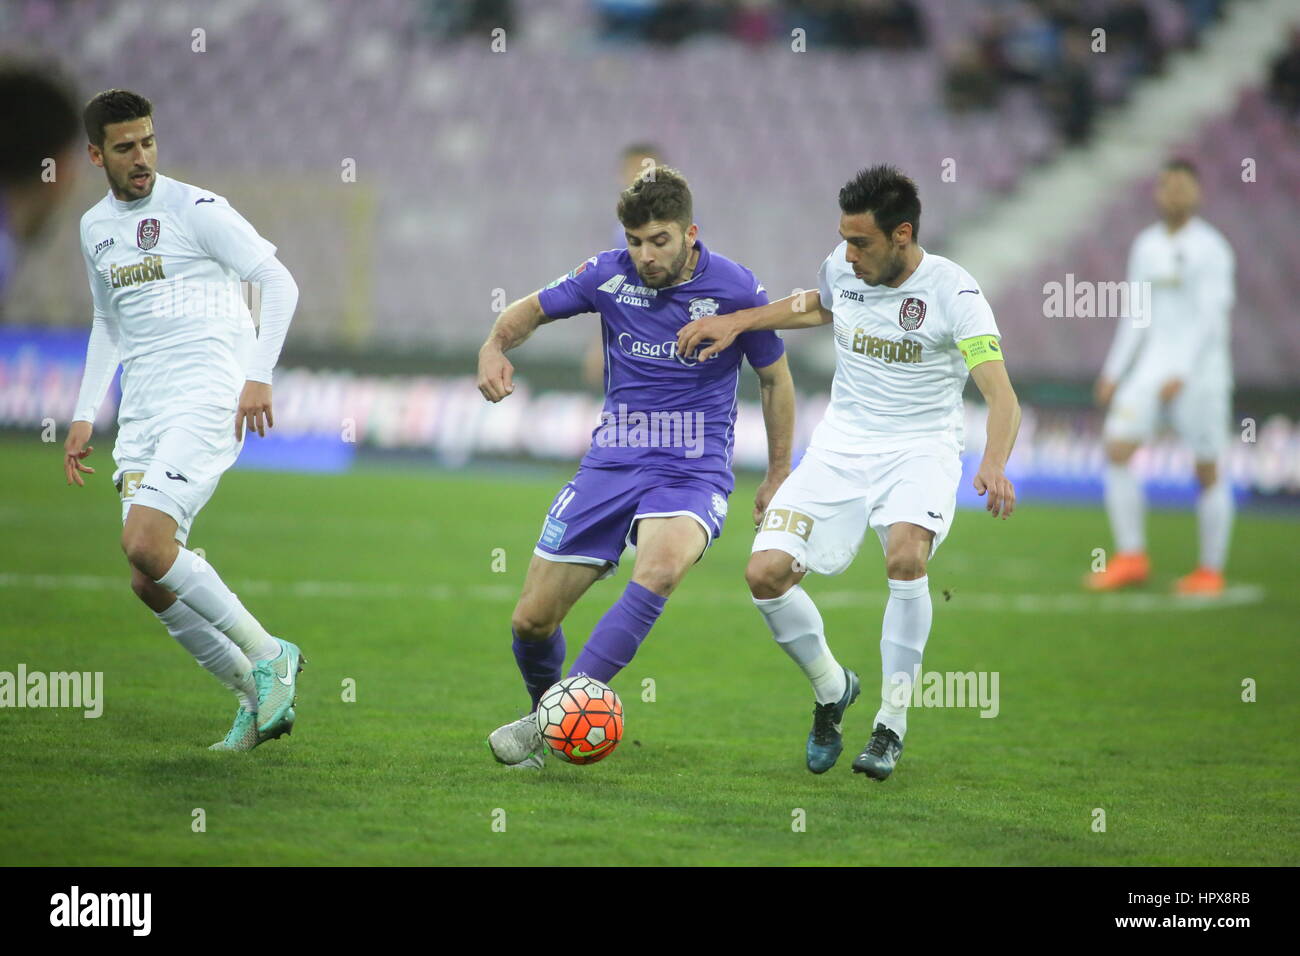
[
  {"x": 146, "y": 234},
  {"x": 911, "y": 314}
]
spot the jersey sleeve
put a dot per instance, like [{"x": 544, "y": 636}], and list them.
[
  {"x": 764, "y": 346},
  {"x": 972, "y": 316},
  {"x": 102, "y": 355},
  {"x": 227, "y": 236},
  {"x": 824, "y": 284},
  {"x": 1128, "y": 334},
  {"x": 570, "y": 294}
]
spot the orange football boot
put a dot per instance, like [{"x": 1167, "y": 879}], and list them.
[
  {"x": 1122, "y": 571},
  {"x": 1202, "y": 581}
]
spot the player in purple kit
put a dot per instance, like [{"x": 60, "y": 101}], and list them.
[{"x": 659, "y": 470}]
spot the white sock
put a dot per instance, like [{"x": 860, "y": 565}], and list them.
[
  {"x": 903, "y": 634},
  {"x": 1214, "y": 510},
  {"x": 797, "y": 626},
  {"x": 215, "y": 652},
  {"x": 196, "y": 583},
  {"x": 1126, "y": 507}
]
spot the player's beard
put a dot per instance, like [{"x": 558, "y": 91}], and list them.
[
  {"x": 672, "y": 273},
  {"x": 125, "y": 190},
  {"x": 890, "y": 271}
]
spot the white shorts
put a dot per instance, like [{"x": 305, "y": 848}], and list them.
[
  {"x": 821, "y": 512},
  {"x": 173, "y": 462},
  {"x": 1199, "y": 414}
]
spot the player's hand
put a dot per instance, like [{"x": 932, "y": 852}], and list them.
[
  {"x": 1103, "y": 392},
  {"x": 718, "y": 330},
  {"x": 496, "y": 376},
  {"x": 991, "y": 480},
  {"x": 74, "y": 450},
  {"x": 766, "y": 490},
  {"x": 254, "y": 408},
  {"x": 1169, "y": 391}
]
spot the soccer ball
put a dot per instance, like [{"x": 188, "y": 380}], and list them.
[{"x": 580, "y": 719}]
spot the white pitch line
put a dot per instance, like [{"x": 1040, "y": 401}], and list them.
[{"x": 1124, "y": 603}]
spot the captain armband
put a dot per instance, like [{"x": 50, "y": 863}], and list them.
[{"x": 980, "y": 349}]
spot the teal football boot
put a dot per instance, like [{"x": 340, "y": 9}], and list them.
[
  {"x": 277, "y": 687},
  {"x": 826, "y": 740}
]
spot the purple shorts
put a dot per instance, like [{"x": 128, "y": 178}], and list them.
[{"x": 594, "y": 516}]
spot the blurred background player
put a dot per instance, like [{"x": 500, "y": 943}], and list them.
[
  {"x": 908, "y": 326},
  {"x": 635, "y": 160},
  {"x": 663, "y": 490},
  {"x": 1174, "y": 367},
  {"x": 38, "y": 167},
  {"x": 164, "y": 260}
]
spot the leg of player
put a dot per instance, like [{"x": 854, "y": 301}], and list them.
[
  {"x": 1125, "y": 507},
  {"x": 213, "y": 651},
  {"x": 1214, "y": 512},
  {"x": 904, "y": 632},
  {"x": 665, "y": 550},
  {"x": 551, "y": 588},
  {"x": 149, "y": 541},
  {"x": 773, "y": 577}
]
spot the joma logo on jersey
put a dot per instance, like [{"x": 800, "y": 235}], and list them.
[
  {"x": 147, "y": 270},
  {"x": 101, "y": 246},
  {"x": 783, "y": 519},
  {"x": 890, "y": 350}
]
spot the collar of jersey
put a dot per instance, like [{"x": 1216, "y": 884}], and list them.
[
  {"x": 135, "y": 205},
  {"x": 699, "y": 267}
]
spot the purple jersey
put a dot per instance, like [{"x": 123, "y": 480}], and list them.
[{"x": 662, "y": 409}]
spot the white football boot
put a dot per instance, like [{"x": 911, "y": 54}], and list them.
[{"x": 518, "y": 744}]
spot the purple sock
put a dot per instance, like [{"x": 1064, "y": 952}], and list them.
[
  {"x": 540, "y": 662},
  {"x": 619, "y": 633}
]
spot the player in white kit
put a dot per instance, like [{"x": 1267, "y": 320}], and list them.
[
  {"x": 165, "y": 260},
  {"x": 1174, "y": 368},
  {"x": 908, "y": 326}
]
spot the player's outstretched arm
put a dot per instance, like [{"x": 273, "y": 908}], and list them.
[
  {"x": 495, "y": 373},
  {"x": 1003, "y": 425},
  {"x": 776, "y": 387},
  {"x": 803, "y": 310}
]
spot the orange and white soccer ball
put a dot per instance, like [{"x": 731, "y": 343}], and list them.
[{"x": 580, "y": 719}]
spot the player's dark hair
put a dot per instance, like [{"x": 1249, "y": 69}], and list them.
[
  {"x": 113, "y": 106},
  {"x": 887, "y": 194},
  {"x": 40, "y": 119},
  {"x": 1180, "y": 165},
  {"x": 666, "y": 198}
]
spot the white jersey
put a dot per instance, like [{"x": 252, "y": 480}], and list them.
[
  {"x": 1190, "y": 277},
  {"x": 165, "y": 278},
  {"x": 899, "y": 371}
]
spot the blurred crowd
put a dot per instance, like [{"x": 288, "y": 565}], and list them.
[
  {"x": 1046, "y": 46},
  {"x": 1051, "y": 47},
  {"x": 1284, "y": 78},
  {"x": 845, "y": 24}
]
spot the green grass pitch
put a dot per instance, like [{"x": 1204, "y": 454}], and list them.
[{"x": 386, "y": 578}]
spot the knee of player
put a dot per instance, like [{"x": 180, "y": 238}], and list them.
[
  {"x": 531, "y": 624},
  {"x": 662, "y": 579},
  {"x": 769, "y": 574},
  {"x": 145, "y": 553},
  {"x": 905, "y": 566}
]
